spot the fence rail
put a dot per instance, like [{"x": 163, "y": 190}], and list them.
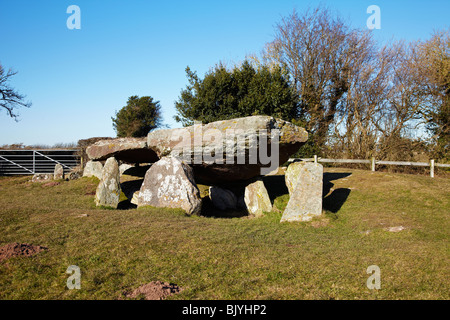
[
  {"x": 26, "y": 162},
  {"x": 373, "y": 162}
]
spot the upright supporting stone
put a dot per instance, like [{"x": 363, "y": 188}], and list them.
[
  {"x": 306, "y": 200},
  {"x": 257, "y": 199},
  {"x": 93, "y": 168},
  {"x": 170, "y": 183},
  {"x": 291, "y": 175},
  {"x": 108, "y": 190},
  {"x": 58, "y": 174}
]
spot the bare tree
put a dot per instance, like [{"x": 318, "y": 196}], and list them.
[
  {"x": 431, "y": 61},
  {"x": 381, "y": 109},
  {"x": 318, "y": 50},
  {"x": 359, "y": 99},
  {"x": 357, "y": 123},
  {"x": 10, "y": 99}
]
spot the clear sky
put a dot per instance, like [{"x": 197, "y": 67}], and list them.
[{"x": 77, "y": 79}]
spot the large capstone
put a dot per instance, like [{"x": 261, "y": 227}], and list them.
[
  {"x": 108, "y": 190},
  {"x": 219, "y": 152},
  {"x": 305, "y": 200},
  {"x": 93, "y": 169},
  {"x": 231, "y": 150},
  {"x": 131, "y": 150},
  {"x": 257, "y": 199},
  {"x": 170, "y": 183}
]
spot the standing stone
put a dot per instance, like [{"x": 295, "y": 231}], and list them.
[
  {"x": 58, "y": 174},
  {"x": 292, "y": 174},
  {"x": 170, "y": 183},
  {"x": 135, "y": 198},
  {"x": 222, "y": 199},
  {"x": 257, "y": 199},
  {"x": 93, "y": 168},
  {"x": 108, "y": 190},
  {"x": 306, "y": 199}
]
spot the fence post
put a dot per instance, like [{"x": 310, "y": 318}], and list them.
[
  {"x": 432, "y": 168},
  {"x": 315, "y": 158},
  {"x": 373, "y": 164},
  {"x": 34, "y": 161}
]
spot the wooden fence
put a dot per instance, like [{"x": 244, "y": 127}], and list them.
[{"x": 373, "y": 162}]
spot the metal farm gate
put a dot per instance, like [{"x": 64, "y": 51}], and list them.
[{"x": 27, "y": 162}]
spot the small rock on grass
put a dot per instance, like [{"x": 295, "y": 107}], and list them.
[{"x": 396, "y": 229}]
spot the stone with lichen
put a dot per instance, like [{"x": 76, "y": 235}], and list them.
[
  {"x": 169, "y": 183},
  {"x": 305, "y": 200},
  {"x": 58, "y": 173},
  {"x": 108, "y": 190},
  {"x": 93, "y": 169},
  {"x": 257, "y": 199}
]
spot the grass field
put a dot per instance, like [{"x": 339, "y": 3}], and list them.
[{"x": 238, "y": 258}]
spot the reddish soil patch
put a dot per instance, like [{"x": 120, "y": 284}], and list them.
[
  {"x": 155, "y": 290},
  {"x": 19, "y": 249},
  {"x": 90, "y": 190}
]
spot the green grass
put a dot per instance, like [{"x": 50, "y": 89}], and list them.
[{"x": 238, "y": 258}]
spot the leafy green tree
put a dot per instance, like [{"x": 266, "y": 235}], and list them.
[
  {"x": 243, "y": 91},
  {"x": 138, "y": 117}
]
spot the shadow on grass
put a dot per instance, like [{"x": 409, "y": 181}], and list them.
[
  {"x": 330, "y": 176},
  {"x": 334, "y": 201},
  {"x": 126, "y": 205}
]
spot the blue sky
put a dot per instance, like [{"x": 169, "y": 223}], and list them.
[{"x": 77, "y": 79}]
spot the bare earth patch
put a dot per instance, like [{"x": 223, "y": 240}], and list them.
[
  {"x": 320, "y": 223},
  {"x": 19, "y": 249},
  {"x": 51, "y": 184},
  {"x": 155, "y": 290}
]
